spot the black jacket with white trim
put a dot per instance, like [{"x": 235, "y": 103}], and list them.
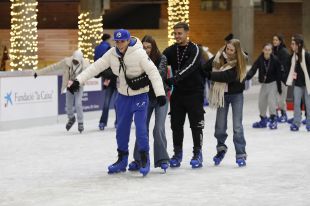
[{"x": 188, "y": 77}]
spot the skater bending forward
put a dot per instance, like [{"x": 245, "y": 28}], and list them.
[
  {"x": 135, "y": 69},
  {"x": 70, "y": 67}
]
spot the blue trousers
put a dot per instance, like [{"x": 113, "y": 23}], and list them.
[
  {"x": 108, "y": 94},
  {"x": 159, "y": 133},
  {"x": 127, "y": 108},
  {"x": 236, "y": 101}
]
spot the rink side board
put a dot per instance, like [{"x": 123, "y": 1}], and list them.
[
  {"x": 92, "y": 96},
  {"x": 28, "y": 98}
]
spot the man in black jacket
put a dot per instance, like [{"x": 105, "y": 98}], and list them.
[{"x": 187, "y": 96}]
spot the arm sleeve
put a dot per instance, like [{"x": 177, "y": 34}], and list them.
[
  {"x": 95, "y": 68},
  {"x": 250, "y": 74},
  {"x": 227, "y": 76},
  {"x": 192, "y": 64},
  {"x": 207, "y": 67},
  {"x": 162, "y": 68},
  {"x": 52, "y": 68},
  {"x": 153, "y": 74}
]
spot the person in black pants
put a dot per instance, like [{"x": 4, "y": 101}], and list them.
[{"x": 187, "y": 96}]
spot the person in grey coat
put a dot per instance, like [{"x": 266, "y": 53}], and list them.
[
  {"x": 161, "y": 156},
  {"x": 70, "y": 68}
]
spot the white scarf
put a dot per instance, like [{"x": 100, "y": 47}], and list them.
[
  {"x": 217, "y": 89},
  {"x": 304, "y": 69}
]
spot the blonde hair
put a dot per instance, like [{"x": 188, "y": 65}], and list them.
[{"x": 241, "y": 59}]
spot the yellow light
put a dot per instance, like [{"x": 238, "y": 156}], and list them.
[
  {"x": 90, "y": 31},
  {"x": 178, "y": 11},
  {"x": 24, "y": 44}
]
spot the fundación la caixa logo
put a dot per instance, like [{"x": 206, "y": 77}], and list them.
[
  {"x": 8, "y": 99},
  {"x": 28, "y": 97}
]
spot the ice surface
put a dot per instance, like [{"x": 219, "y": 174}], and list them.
[{"x": 48, "y": 166}]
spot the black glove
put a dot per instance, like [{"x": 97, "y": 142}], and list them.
[
  {"x": 170, "y": 81},
  {"x": 161, "y": 100},
  {"x": 74, "y": 87},
  {"x": 35, "y": 75},
  {"x": 280, "y": 91}
]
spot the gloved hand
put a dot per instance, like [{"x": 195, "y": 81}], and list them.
[
  {"x": 35, "y": 75},
  {"x": 280, "y": 91},
  {"x": 74, "y": 86},
  {"x": 170, "y": 81},
  {"x": 161, "y": 100}
]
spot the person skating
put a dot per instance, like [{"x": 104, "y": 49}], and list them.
[
  {"x": 135, "y": 70},
  {"x": 161, "y": 157},
  {"x": 108, "y": 82},
  {"x": 187, "y": 96},
  {"x": 299, "y": 74},
  {"x": 269, "y": 75},
  {"x": 227, "y": 71},
  {"x": 70, "y": 67},
  {"x": 281, "y": 52}
]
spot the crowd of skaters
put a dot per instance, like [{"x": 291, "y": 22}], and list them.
[{"x": 137, "y": 71}]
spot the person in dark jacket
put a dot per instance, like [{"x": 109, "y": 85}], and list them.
[
  {"x": 187, "y": 96},
  {"x": 161, "y": 157},
  {"x": 299, "y": 74},
  {"x": 108, "y": 82},
  {"x": 269, "y": 75},
  {"x": 227, "y": 71},
  {"x": 281, "y": 52}
]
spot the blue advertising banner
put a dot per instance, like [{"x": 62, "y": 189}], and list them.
[{"x": 92, "y": 96}]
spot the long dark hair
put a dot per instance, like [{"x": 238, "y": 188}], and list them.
[
  {"x": 281, "y": 39},
  {"x": 300, "y": 43},
  {"x": 155, "y": 53}
]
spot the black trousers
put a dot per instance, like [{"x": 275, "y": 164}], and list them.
[{"x": 192, "y": 105}]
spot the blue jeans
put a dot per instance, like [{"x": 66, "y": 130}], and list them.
[
  {"x": 236, "y": 101},
  {"x": 108, "y": 94},
  {"x": 159, "y": 133},
  {"x": 128, "y": 107},
  {"x": 299, "y": 92}
]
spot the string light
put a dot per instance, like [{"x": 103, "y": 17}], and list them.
[
  {"x": 178, "y": 11},
  {"x": 90, "y": 32},
  {"x": 24, "y": 44}
]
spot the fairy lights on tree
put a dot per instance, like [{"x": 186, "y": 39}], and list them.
[
  {"x": 178, "y": 10},
  {"x": 24, "y": 44}
]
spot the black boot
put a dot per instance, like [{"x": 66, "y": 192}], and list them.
[{"x": 70, "y": 123}]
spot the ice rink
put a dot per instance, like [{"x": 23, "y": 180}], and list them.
[{"x": 48, "y": 166}]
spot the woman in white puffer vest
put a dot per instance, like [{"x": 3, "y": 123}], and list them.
[{"x": 128, "y": 60}]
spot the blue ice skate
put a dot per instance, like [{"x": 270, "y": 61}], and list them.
[
  {"x": 101, "y": 126},
  {"x": 134, "y": 166},
  {"x": 196, "y": 161},
  {"x": 294, "y": 127},
  {"x": 145, "y": 163},
  {"x": 164, "y": 166},
  {"x": 120, "y": 165},
  {"x": 283, "y": 117},
  {"x": 308, "y": 128},
  {"x": 176, "y": 159},
  {"x": 290, "y": 121},
  {"x": 304, "y": 122},
  {"x": 273, "y": 124},
  {"x": 241, "y": 161},
  {"x": 261, "y": 124},
  {"x": 219, "y": 157}
]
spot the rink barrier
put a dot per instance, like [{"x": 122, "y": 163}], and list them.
[{"x": 24, "y": 98}]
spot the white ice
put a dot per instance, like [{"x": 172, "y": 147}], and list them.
[{"x": 48, "y": 166}]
